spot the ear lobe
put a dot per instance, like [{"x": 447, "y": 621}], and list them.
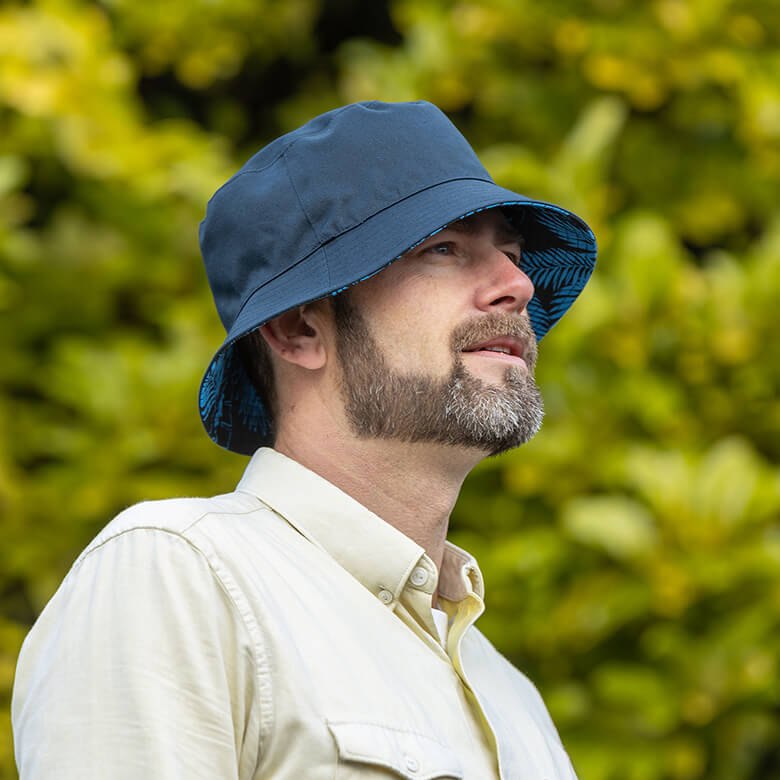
[{"x": 296, "y": 338}]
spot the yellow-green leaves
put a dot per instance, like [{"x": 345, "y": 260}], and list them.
[{"x": 631, "y": 551}]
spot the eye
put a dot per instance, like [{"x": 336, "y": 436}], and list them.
[
  {"x": 514, "y": 248},
  {"x": 515, "y": 257},
  {"x": 443, "y": 248}
]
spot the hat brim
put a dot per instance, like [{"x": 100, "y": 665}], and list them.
[{"x": 559, "y": 256}]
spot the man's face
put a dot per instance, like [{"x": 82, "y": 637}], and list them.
[{"x": 438, "y": 347}]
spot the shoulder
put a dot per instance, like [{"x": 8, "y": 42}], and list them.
[
  {"x": 143, "y": 618},
  {"x": 147, "y": 570},
  {"x": 153, "y": 550},
  {"x": 158, "y": 555},
  {"x": 173, "y": 515},
  {"x": 172, "y": 521},
  {"x": 182, "y": 551}
]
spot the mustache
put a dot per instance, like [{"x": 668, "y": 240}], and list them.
[{"x": 490, "y": 326}]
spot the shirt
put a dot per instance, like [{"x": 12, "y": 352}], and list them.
[
  {"x": 279, "y": 631},
  {"x": 441, "y": 619}
]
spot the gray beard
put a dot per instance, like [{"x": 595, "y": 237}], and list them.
[{"x": 459, "y": 410}]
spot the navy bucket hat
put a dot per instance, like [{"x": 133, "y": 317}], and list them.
[{"x": 337, "y": 200}]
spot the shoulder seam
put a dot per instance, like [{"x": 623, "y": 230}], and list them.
[
  {"x": 150, "y": 527},
  {"x": 263, "y": 678}
]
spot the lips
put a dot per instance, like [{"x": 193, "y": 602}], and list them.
[
  {"x": 495, "y": 338},
  {"x": 501, "y": 345}
]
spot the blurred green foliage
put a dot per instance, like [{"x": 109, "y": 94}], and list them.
[{"x": 632, "y": 550}]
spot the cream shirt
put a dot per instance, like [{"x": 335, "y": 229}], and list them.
[{"x": 280, "y": 631}]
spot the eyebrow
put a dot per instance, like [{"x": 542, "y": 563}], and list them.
[{"x": 505, "y": 231}]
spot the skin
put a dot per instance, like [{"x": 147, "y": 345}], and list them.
[{"x": 412, "y": 308}]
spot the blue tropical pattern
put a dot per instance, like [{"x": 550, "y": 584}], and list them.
[
  {"x": 559, "y": 258},
  {"x": 230, "y": 406}
]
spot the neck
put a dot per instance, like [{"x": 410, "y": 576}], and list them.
[{"x": 413, "y": 487}]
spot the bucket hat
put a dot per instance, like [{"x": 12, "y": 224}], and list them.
[{"x": 334, "y": 202}]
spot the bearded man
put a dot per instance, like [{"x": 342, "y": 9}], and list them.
[{"x": 383, "y": 299}]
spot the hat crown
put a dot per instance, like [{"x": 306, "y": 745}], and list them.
[{"x": 319, "y": 181}]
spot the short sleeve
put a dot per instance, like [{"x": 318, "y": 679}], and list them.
[{"x": 139, "y": 668}]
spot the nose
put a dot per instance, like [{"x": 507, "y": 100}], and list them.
[{"x": 504, "y": 287}]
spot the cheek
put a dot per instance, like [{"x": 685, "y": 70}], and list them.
[
  {"x": 412, "y": 320},
  {"x": 417, "y": 344}
]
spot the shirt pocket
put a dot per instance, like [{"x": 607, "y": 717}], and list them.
[{"x": 368, "y": 750}]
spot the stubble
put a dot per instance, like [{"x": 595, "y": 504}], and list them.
[{"x": 460, "y": 409}]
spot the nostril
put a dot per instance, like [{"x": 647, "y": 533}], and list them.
[{"x": 504, "y": 299}]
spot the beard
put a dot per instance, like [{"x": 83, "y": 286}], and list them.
[{"x": 459, "y": 410}]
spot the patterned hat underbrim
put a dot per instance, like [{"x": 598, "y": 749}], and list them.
[{"x": 559, "y": 257}]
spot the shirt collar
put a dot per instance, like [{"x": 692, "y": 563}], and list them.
[{"x": 379, "y": 556}]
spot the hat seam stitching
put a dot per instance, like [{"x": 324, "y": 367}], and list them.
[
  {"x": 242, "y": 172},
  {"x": 282, "y": 153},
  {"x": 320, "y": 242}
]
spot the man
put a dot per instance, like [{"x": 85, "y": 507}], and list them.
[{"x": 383, "y": 299}]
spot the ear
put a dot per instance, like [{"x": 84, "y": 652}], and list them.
[{"x": 297, "y": 337}]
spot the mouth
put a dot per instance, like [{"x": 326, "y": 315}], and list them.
[{"x": 507, "y": 348}]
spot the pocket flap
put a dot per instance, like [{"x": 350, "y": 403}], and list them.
[{"x": 409, "y": 755}]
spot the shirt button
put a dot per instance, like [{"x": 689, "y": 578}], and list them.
[
  {"x": 412, "y": 764},
  {"x": 419, "y": 577},
  {"x": 385, "y": 596}
]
